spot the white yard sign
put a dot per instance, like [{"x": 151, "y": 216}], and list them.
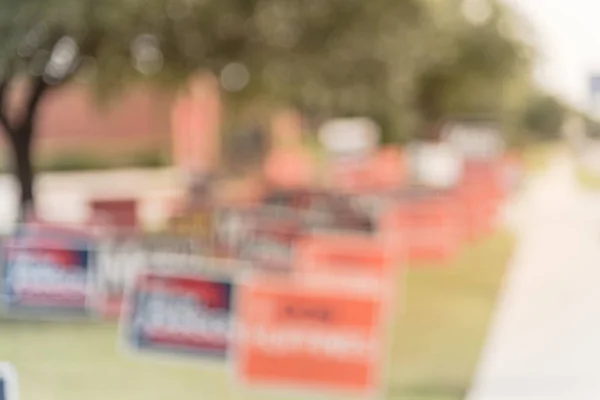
[
  {"x": 9, "y": 389},
  {"x": 350, "y": 137},
  {"x": 475, "y": 140},
  {"x": 435, "y": 165}
]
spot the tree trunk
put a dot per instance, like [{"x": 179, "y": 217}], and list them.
[
  {"x": 20, "y": 136},
  {"x": 23, "y": 169}
]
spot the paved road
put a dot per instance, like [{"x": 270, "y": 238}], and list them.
[{"x": 545, "y": 340}]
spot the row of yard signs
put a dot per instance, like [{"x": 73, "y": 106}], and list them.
[
  {"x": 294, "y": 292},
  {"x": 179, "y": 296}
]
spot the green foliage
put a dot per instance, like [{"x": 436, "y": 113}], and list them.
[
  {"x": 588, "y": 178},
  {"x": 402, "y": 62},
  {"x": 592, "y": 127},
  {"x": 544, "y": 117},
  {"x": 481, "y": 69}
]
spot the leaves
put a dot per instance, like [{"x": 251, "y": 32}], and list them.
[{"x": 399, "y": 61}]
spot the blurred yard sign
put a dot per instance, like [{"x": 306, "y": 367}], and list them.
[
  {"x": 350, "y": 137},
  {"x": 345, "y": 260},
  {"x": 435, "y": 164},
  {"x": 116, "y": 213},
  {"x": 9, "y": 389},
  {"x": 389, "y": 169},
  {"x": 118, "y": 261},
  {"x": 271, "y": 246},
  {"x": 185, "y": 315},
  {"x": 302, "y": 337},
  {"x": 474, "y": 138},
  {"x": 195, "y": 127},
  {"x": 291, "y": 167},
  {"x": 349, "y": 144},
  {"x": 482, "y": 190},
  {"x": 121, "y": 258},
  {"x": 197, "y": 223},
  {"x": 431, "y": 226},
  {"x": 46, "y": 275}
]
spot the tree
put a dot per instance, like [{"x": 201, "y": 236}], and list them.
[
  {"x": 399, "y": 61},
  {"x": 337, "y": 56},
  {"x": 481, "y": 64},
  {"x": 544, "y": 117}
]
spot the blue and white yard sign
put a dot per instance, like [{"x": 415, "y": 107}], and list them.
[{"x": 45, "y": 278}]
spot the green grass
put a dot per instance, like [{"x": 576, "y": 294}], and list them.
[
  {"x": 536, "y": 157},
  {"x": 443, "y": 320},
  {"x": 587, "y": 178},
  {"x": 68, "y": 162}
]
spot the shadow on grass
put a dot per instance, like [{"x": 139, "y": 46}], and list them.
[{"x": 428, "y": 391}]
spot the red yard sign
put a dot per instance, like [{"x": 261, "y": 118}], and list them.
[
  {"x": 384, "y": 170},
  {"x": 290, "y": 168},
  {"x": 388, "y": 169},
  {"x": 346, "y": 261},
  {"x": 512, "y": 171},
  {"x": 430, "y": 226},
  {"x": 481, "y": 192},
  {"x": 303, "y": 337},
  {"x": 115, "y": 213}
]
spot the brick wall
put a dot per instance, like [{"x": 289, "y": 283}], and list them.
[{"x": 70, "y": 121}]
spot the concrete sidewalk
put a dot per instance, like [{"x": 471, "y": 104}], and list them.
[{"x": 545, "y": 339}]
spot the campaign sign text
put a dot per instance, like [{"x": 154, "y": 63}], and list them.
[
  {"x": 301, "y": 337},
  {"x": 180, "y": 315},
  {"x": 47, "y": 278},
  {"x": 119, "y": 260}
]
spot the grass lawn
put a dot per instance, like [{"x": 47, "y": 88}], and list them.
[
  {"x": 443, "y": 320},
  {"x": 443, "y": 327},
  {"x": 536, "y": 157},
  {"x": 588, "y": 178}
]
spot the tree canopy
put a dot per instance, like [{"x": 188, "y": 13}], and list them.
[
  {"x": 403, "y": 62},
  {"x": 544, "y": 116}
]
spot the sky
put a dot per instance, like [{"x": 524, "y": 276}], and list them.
[{"x": 567, "y": 34}]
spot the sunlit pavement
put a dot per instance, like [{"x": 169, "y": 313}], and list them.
[
  {"x": 545, "y": 339},
  {"x": 63, "y": 197}
]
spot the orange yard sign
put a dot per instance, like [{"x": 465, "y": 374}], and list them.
[
  {"x": 383, "y": 170},
  {"x": 431, "y": 228},
  {"x": 301, "y": 337},
  {"x": 290, "y": 168},
  {"x": 388, "y": 168},
  {"x": 346, "y": 261},
  {"x": 481, "y": 194}
]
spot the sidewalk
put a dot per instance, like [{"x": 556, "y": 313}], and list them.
[{"x": 545, "y": 339}]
